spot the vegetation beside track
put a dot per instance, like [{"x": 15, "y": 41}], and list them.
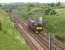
[{"x": 9, "y": 37}]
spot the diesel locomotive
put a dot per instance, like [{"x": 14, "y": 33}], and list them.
[{"x": 36, "y": 25}]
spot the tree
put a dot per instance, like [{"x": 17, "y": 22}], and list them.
[
  {"x": 50, "y": 12},
  {"x": 31, "y": 5},
  {"x": 51, "y": 4},
  {"x": 0, "y": 5},
  {"x": 58, "y": 4},
  {"x": 47, "y": 11}
]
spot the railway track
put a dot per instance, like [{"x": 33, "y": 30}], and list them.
[
  {"x": 56, "y": 44},
  {"x": 36, "y": 41},
  {"x": 42, "y": 43},
  {"x": 41, "y": 39}
]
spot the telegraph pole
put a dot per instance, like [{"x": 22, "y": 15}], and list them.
[{"x": 49, "y": 41}]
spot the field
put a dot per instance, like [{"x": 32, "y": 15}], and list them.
[{"x": 9, "y": 37}]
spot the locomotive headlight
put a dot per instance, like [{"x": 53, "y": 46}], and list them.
[{"x": 39, "y": 28}]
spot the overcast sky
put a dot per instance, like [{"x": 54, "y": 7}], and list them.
[{"x": 41, "y": 1}]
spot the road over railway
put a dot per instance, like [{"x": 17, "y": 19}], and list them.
[{"x": 34, "y": 41}]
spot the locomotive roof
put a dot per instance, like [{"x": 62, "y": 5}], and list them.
[{"x": 35, "y": 21}]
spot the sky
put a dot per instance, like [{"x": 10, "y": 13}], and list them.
[{"x": 41, "y": 1}]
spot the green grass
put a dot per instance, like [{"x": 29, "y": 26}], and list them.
[
  {"x": 56, "y": 24},
  {"x": 9, "y": 37}
]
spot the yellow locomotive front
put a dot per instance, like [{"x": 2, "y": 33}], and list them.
[{"x": 38, "y": 28}]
